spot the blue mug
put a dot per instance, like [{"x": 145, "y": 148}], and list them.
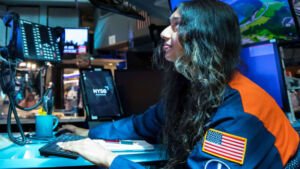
[{"x": 44, "y": 125}]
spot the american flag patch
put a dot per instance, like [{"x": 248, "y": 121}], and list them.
[{"x": 224, "y": 145}]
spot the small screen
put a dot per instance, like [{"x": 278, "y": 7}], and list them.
[
  {"x": 262, "y": 64},
  {"x": 38, "y": 42},
  {"x": 99, "y": 93},
  {"x": 76, "y": 41}
]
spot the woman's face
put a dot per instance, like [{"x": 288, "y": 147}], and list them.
[{"x": 172, "y": 48}]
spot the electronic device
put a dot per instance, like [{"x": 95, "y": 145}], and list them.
[
  {"x": 265, "y": 20},
  {"x": 37, "y": 42},
  {"x": 28, "y": 41},
  {"x": 52, "y": 149},
  {"x": 173, "y": 4},
  {"x": 138, "y": 89},
  {"x": 262, "y": 20},
  {"x": 100, "y": 96},
  {"x": 261, "y": 62},
  {"x": 75, "y": 42}
]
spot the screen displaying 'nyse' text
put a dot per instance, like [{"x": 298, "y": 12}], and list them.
[{"x": 100, "y": 94}]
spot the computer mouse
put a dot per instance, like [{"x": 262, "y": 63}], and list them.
[{"x": 62, "y": 131}]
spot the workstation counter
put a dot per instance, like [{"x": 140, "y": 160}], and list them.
[{"x": 28, "y": 156}]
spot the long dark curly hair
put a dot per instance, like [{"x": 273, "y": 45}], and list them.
[{"x": 195, "y": 84}]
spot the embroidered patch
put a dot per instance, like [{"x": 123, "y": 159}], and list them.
[
  {"x": 225, "y": 145},
  {"x": 216, "y": 164}
]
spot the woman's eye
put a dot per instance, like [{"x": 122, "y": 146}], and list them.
[
  {"x": 175, "y": 28},
  {"x": 175, "y": 22}
]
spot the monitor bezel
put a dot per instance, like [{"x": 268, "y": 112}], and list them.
[
  {"x": 296, "y": 21},
  {"x": 84, "y": 97}
]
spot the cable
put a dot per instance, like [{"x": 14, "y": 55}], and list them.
[
  {"x": 7, "y": 81},
  {"x": 36, "y": 105},
  {"x": 10, "y": 58},
  {"x": 21, "y": 140}
]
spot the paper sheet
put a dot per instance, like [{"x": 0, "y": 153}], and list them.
[{"x": 126, "y": 145}]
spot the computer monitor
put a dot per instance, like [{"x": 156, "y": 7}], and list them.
[
  {"x": 261, "y": 62},
  {"x": 174, "y": 3},
  {"x": 100, "y": 96},
  {"x": 76, "y": 41},
  {"x": 261, "y": 20},
  {"x": 265, "y": 20},
  {"x": 37, "y": 42}
]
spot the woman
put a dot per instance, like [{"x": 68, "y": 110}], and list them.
[{"x": 210, "y": 114}]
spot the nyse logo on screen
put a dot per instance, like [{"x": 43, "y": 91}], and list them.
[{"x": 101, "y": 91}]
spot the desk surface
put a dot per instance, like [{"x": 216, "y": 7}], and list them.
[
  {"x": 32, "y": 120},
  {"x": 28, "y": 156}
]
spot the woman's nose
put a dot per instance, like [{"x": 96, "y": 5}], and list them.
[{"x": 166, "y": 33}]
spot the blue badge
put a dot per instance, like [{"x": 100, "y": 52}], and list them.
[{"x": 216, "y": 164}]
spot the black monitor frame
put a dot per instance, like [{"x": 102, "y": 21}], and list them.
[
  {"x": 295, "y": 18},
  {"x": 87, "y": 106}
]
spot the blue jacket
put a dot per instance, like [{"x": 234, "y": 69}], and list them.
[{"x": 248, "y": 131}]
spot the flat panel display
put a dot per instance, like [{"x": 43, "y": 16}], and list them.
[
  {"x": 100, "y": 96},
  {"x": 37, "y": 42},
  {"x": 76, "y": 41},
  {"x": 262, "y": 20},
  {"x": 262, "y": 64}
]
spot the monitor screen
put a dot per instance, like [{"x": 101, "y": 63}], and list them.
[
  {"x": 262, "y": 20},
  {"x": 37, "y": 42},
  {"x": 262, "y": 64},
  {"x": 76, "y": 41},
  {"x": 174, "y": 3},
  {"x": 99, "y": 94}
]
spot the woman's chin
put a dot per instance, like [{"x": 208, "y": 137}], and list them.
[{"x": 170, "y": 58}]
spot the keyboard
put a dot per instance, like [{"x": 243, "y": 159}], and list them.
[{"x": 52, "y": 148}]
